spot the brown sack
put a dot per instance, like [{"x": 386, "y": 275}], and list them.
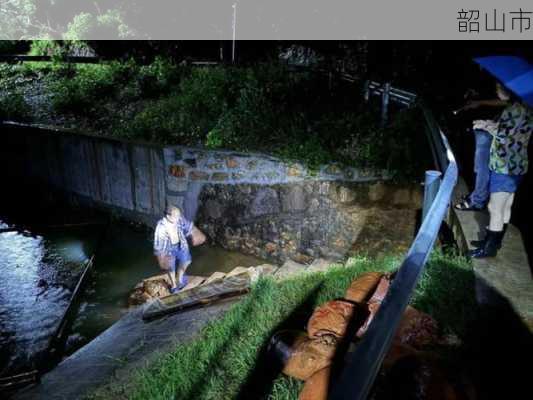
[
  {"x": 374, "y": 303},
  {"x": 156, "y": 287},
  {"x": 416, "y": 329},
  {"x": 419, "y": 376},
  {"x": 381, "y": 290},
  {"x": 372, "y": 309},
  {"x": 333, "y": 317},
  {"x": 138, "y": 296},
  {"x": 395, "y": 353},
  {"x": 317, "y": 386},
  {"x": 309, "y": 356},
  {"x": 363, "y": 287}
]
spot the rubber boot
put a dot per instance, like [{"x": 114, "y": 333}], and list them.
[
  {"x": 481, "y": 243},
  {"x": 491, "y": 246}
]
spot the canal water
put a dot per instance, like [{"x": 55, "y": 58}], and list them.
[{"x": 39, "y": 269}]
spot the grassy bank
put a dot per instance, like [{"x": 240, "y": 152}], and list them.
[
  {"x": 226, "y": 361},
  {"x": 262, "y": 107}
]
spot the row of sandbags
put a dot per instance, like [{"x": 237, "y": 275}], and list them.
[{"x": 335, "y": 328}]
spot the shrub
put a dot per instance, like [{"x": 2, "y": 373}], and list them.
[
  {"x": 46, "y": 48},
  {"x": 187, "y": 114},
  {"x": 108, "y": 24},
  {"x": 14, "y": 107},
  {"x": 89, "y": 85},
  {"x": 158, "y": 77},
  {"x": 9, "y": 46}
]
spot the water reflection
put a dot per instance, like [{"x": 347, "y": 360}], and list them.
[{"x": 32, "y": 296}]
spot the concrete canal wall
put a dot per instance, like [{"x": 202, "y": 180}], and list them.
[{"x": 248, "y": 202}]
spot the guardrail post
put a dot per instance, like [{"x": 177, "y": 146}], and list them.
[
  {"x": 366, "y": 91},
  {"x": 385, "y": 104},
  {"x": 431, "y": 188}
]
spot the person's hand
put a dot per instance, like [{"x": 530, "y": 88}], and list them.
[
  {"x": 485, "y": 124},
  {"x": 478, "y": 124}
]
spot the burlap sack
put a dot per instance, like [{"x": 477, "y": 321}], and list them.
[
  {"x": 317, "y": 386},
  {"x": 396, "y": 352},
  {"x": 416, "y": 329},
  {"x": 362, "y": 288},
  {"x": 381, "y": 290},
  {"x": 371, "y": 310},
  {"x": 156, "y": 287},
  {"x": 333, "y": 318},
  {"x": 137, "y": 297},
  {"x": 374, "y": 302},
  {"x": 309, "y": 356},
  {"x": 420, "y": 374}
]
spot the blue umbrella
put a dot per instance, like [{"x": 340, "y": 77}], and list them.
[{"x": 515, "y": 73}]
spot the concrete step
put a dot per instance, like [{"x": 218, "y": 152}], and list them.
[
  {"x": 215, "y": 276},
  {"x": 194, "y": 281},
  {"x": 289, "y": 269},
  {"x": 319, "y": 265}
]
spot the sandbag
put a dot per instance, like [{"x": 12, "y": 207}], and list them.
[
  {"x": 156, "y": 287},
  {"x": 333, "y": 318},
  {"x": 374, "y": 303},
  {"x": 381, "y": 290},
  {"x": 309, "y": 356},
  {"x": 396, "y": 352},
  {"x": 361, "y": 289},
  {"x": 419, "y": 377},
  {"x": 416, "y": 329},
  {"x": 137, "y": 297},
  {"x": 317, "y": 386},
  {"x": 371, "y": 310}
]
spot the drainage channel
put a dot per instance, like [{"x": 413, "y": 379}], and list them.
[{"x": 40, "y": 270}]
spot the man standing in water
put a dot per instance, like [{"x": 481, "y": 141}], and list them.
[{"x": 171, "y": 247}]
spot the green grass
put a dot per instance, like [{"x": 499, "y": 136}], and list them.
[{"x": 225, "y": 360}]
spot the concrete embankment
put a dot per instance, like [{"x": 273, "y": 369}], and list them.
[
  {"x": 119, "y": 351},
  {"x": 504, "y": 279}
]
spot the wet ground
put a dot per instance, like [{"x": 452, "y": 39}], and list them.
[{"x": 39, "y": 269}]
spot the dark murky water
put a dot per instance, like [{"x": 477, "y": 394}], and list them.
[{"x": 38, "y": 272}]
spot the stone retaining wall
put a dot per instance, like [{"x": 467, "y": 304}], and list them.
[
  {"x": 187, "y": 167},
  {"x": 301, "y": 221}
]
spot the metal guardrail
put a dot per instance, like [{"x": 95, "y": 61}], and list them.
[
  {"x": 362, "y": 366},
  {"x": 397, "y": 95},
  {"x": 18, "y": 58},
  {"x": 388, "y": 93}
]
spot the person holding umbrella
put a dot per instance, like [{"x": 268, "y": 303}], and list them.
[
  {"x": 508, "y": 152},
  {"x": 484, "y": 130}
]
